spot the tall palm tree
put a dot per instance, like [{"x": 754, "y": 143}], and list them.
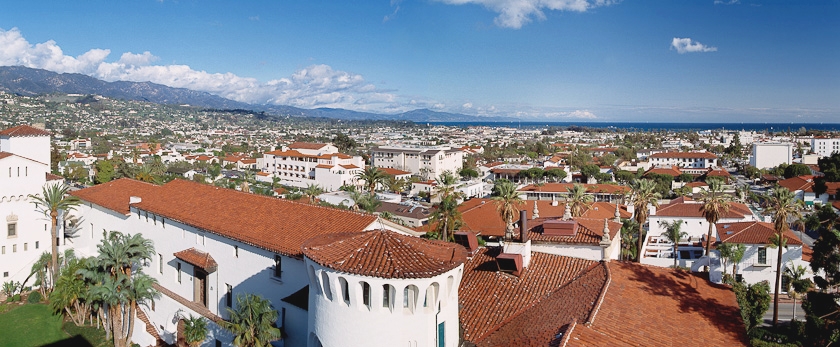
[
  {"x": 796, "y": 284},
  {"x": 507, "y": 203},
  {"x": 51, "y": 202},
  {"x": 252, "y": 322},
  {"x": 312, "y": 191},
  {"x": 372, "y": 176},
  {"x": 674, "y": 234},
  {"x": 195, "y": 330},
  {"x": 643, "y": 193},
  {"x": 714, "y": 205},
  {"x": 782, "y": 204},
  {"x": 629, "y": 238},
  {"x": 446, "y": 217},
  {"x": 446, "y": 184},
  {"x": 578, "y": 200}
]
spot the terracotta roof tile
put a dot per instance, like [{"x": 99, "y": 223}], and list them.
[
  {"x": 198, "y": 258},
  {"x": 480, "y": 215},
  {"x": 589, "y": 232},
  {"x": 489, "y": 298},
  {"x": 52, "y": 177},
  {"x": 307, "y": 145},
  {"x": 756, "y": 233},
  {"x": 393, "y": 172},
  {"x": 384, "y": 254},
  {"x": 803, "y": 183},
  {"x": 704, "y": 155},
  {"x": 653, "y": 306},
  {"x": 274, "y": 224},
  {"x": 564, "y": 188},
  {"x": 24, "y": 130},
  {"x": 692, "y": 209}
]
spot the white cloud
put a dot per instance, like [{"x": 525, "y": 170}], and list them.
[
  {"x": 730, "y": 2},
  {"x": 313, "y": 86},
  {"x": 686, "y": 45},
  {"x": 467, "y": 105},
  {"x": 515, "y": 13},
  {"x": 396, "y": 5}
]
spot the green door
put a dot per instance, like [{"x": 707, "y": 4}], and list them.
[{"x": 441, "y": 334}]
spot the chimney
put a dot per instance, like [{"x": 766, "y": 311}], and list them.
[
  {"x": 134, "y": 200},
  {"x": 523, "y": 226}
]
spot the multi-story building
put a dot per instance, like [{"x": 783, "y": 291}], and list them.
[
  {"x": 697, "y": 160},
  {"x": 303, "y": 164},
  {"x": 824, "y": 147},
  {"x": 771, "y": 154},
  {"x": 24, "y": 171},
  {"x": 428, "y": 162}
]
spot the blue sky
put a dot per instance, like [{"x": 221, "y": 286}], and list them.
[{"x": 563, "y": 60}]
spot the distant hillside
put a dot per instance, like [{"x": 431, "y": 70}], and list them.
[{"x": 27, "y": 81}]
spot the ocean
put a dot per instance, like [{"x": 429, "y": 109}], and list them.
[{"x": 651, "y": 126}]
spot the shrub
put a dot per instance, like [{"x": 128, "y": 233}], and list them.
[
  {"x": 15, "y": 298},
  {"x": 34, "y": 297}
]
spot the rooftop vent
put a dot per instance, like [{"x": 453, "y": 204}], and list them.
[
  {"x": 510, "y": 263},
  {"x": 560, "y": 228},
  {"x": 468, "y": 240}
]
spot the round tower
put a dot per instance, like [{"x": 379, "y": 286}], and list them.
[{"x": 381, "y": 288}]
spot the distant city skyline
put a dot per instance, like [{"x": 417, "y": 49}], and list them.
[{"x": 560, "y": 60}]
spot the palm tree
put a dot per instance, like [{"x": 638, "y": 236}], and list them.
[
  {"x": 782, "y": 204},
  {"x": 54, "y": 200},
  {"x": 252, "y": 322},
  {"x": 578, "y": 200},
  {"x": 643, "y": 194},
  {"x": 629, "y": 238},
  {"x": 312, "y": 191},
  {"x": 674, "y": 234},
  {"x": 796, "y": 284},
  {"x": 395, "y": 185},
  {"x": 507, "y": 203},
  {"x": 731, "y": 252},
  {"x": 446, "y": 217},
  {"x": 70, "y": 295},
  {"x": 446, "y": 184},
  {"x": 372, "y": 176},
  {"x": 714, "y": 205},
  {"x": 195, "y": 330}
]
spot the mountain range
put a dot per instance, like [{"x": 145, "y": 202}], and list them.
[{"x": 31, "y": 82}]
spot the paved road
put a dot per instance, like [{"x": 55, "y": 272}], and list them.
[{"x": 785, "y": 311}]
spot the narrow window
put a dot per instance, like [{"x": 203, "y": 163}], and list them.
[
  {"x": 179, "y": 272},
  {"x": 12, "y": 229},
  {"x": 3, "y": 251},
  {"x": 36, "y": 244},
  {"x": 228, "y": 295},
  {"x": 154, "y": 219},
  {"x": 236, "y": 251},
  {"x": 762, "y": 255},
  {"x": 386, "y": 295},
  {"x": 278, "y": 270},
  {"x": 282, "y": 316},
  {"x": 14, "y": 248},
  {"x": 25, "y": 246},
  {"x": 345, "y": 289},
  {"x": 366, "y": 294},
  {"x": 160, "y": 263}
]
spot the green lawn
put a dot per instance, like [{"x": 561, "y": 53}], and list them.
[
  {"x": 35, "y": 325},
  {"x": 30, "y": 325}
]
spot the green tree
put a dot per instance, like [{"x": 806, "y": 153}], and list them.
[
  {"x": 507, "y": 202},
  {"x": 312, "y": 191},
  {"x": 252, "y": 322},
  {"x": 468, "y": 173},
  {"x": 629, "y": 239},
  {"x": 104, "y": 171},
  {"x": 53, "y": 201},
  {"x": 782, "y": 204},
  {"x": 344, "y": 143},
  {"x": 795, "y": 170},
  {"x": 673, "y": 232},
  {"x": 195, "y": 330},
  {"x": 371, "y": 176},
  {"x": 578, "y": 200},
  {"x": 213, "y": 171},
  {"x": 589, "y": 171},
  {"x": 643, "y": 193},
  {"x": 731, "y": 253},
  {"x": 556, "y": 174},
  {"x": 715, "y": 205},
  {"x": 797, "y": 284},
  {"x": 685, "y": 177},
  {"x": 70, "y": 296},
  {"x": 754, "y": 300}
]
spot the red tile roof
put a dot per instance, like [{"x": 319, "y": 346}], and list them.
[
  {"x": 265, "y": 222},
  {"x": 803, "y": 183},
  {"x": 539, "y": 323},
  {"x": 52, "y": 177},
  {"x": 393, "y": 172},
  {"x": 490, "y": 299},
  {"x": 198, "y": 258},
  {"x": 652, "y": 306},
  {"x": 564, "y": 188},
  {"x": 24, "y": 130},
  {"x": 692, "y": 209},
  {"x": 589, "y": 232},
  {"x": 307, "y": 145},
  {"x": 673, "y": 171},
  {"x": 756, "y": 233},
  {"x": 703, "y": 155},
  {"x": 481, "y": 215},
  {"x": 384, "y": 254}
]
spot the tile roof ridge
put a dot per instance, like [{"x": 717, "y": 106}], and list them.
[
  {"x": 539, "y": 300},
  {"x": 591, "y": 319},
  {"x": 568, "y": 333}
]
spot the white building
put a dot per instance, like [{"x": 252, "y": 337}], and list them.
[
  {"x": 313, "y": 164},
  {"x": 359, "y": 296},
  {"x": 428, "y": 162},
  {"x": 759, "y": 261},
  {"x": 24, "y": 170},
  {"x": 824, "y": 147},
  {"x": 213, "y": 244},
  {"x": 696, "y": 160},
  {"x": 770, "y": 154}
]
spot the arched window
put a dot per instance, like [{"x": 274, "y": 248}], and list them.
[
  {"x": 327, "y": 289},
  {"x": 410, "y": 297},
  {"x": 366, "y": 294},
  {"x": 431, "y": 295},
  {"x": 387, "y": 295},
  {"x": 345, "y": 290}
]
